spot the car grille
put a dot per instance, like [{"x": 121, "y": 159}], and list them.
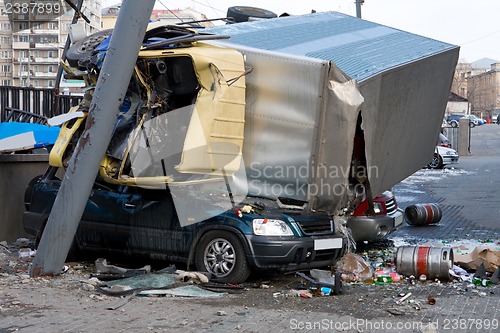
[
  {"x": 391, "y": 206},
  {"x": 316, "y": 227}
]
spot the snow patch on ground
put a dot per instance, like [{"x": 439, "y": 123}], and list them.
[
  {"x": 426, "y": 175},
  {"x": 460, "y": 246}
]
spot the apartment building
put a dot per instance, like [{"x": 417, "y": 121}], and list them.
[
  {"x": 484, "y": 90},
  {"x": 32, "y": 41}
]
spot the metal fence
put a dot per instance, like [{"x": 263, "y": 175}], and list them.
[
  {"x": 452, "y": 134},
  {"x": 39, "y": 101}
]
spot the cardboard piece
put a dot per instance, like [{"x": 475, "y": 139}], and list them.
[
  {"x": 354, "y": 268},
  {"x": 480, "y": 255}
]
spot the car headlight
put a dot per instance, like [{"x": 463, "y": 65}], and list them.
[
  {"x": 377, "y": 207},
  {"x": 270, "y": 227},
  {"x": 451, "y": 152}
]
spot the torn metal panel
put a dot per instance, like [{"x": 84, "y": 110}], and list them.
[
  {"x": 403, "y": 117},
  {"x": 15, "y": 136},
  {"x": 283, "y": 102},
  {"x": 329, "y": 186}
]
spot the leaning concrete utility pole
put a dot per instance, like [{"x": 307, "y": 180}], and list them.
[{"x": 84, "y": 164}]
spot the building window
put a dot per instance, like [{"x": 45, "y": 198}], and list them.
[
  {"x": 6, "y": 82},
  {"x": 6, "y": 26},
  {"x": 24, "y": 39},
  {"x": 6, "y": 69},
  {"x": 51, "y": 69},
  {"x": 51, "y": 54},
  {"x": 23, "y": 26},
  {"x": 51, "y": 83},
  {"x": 6, "y": 55},
  {"x": 6, "y": 40}
]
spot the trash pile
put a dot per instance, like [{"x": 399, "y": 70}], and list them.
[{"x": 411, "y": 265}]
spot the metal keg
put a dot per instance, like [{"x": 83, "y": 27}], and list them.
[
  {"x": 433, "y": 262},
  {"x": 423, "y": 214}
]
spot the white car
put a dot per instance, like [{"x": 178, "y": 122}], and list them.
[{"x": 442, "y": 157}]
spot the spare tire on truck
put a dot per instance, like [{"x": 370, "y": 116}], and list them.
[
  {"x": 85, "y": 47},
  {"x": 243, "y": 13}
]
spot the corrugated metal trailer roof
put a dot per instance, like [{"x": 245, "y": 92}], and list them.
[{"x": 360, "y": 48}]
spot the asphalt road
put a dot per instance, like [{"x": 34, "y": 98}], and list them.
[{"x": 467, "y": 192}]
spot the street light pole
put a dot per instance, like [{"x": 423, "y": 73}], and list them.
[
  {"x": 358, "y": 7},
  {"x": 109, "y": 93}
]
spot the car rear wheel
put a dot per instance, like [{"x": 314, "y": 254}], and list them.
[
  {"x": 454, "y": 124},
  {"x": 437, "y": 162},
  {"x": 472, "y": 125},
  {"x": 221, "y": 254}
]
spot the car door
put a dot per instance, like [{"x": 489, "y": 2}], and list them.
[
  {"x": 154, "y": 226},
  {"x": 107, "y": 210}
]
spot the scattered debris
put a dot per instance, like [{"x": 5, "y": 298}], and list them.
[
  {"x": 402, "y": 299},
  {"x": 354, "y": 268},
  {"x": 102, "y": 266},
  {"x": 431, "y": 300},
  {"x": 480, "y": 255},
  {"x": 396, "y": 311}
]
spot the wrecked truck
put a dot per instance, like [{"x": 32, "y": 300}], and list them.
[{"x": 235, "y": 154}]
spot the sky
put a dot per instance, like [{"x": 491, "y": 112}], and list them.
[{"x": 473, "y": 25}]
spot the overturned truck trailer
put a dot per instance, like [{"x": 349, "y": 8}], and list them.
[{"x": 335, "y": 103}]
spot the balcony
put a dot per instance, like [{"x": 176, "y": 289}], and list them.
[
  {"x": 21, "y": 60},
  {"x": 45, "y": 31},
  {"x": 20, "y": 45},
  {"x": 17, "y": 74},
  {"x": 46, "y": 60},
  {"x": 45, "y": 75},
  {"x": 46, "y": 45}
]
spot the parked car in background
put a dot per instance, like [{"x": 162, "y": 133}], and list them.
[
  {"x": 368, "y": 227},
  {"x": 443, "y": 141},
  {"x": 443, "y": 156},
  {"x": 476, "y": 120},
  {"x": 454, "y": 119}
]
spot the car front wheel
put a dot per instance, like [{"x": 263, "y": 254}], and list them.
[
  {"x": 454, "y": 124},
  {"x": 221, "y": 254},
  {"x": 437, "y": 162}
]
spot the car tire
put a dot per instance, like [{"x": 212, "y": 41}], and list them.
[
  {"x": 243, "y": 13},
  {"x": 472, "y": 125},
  {"x": 221, "y": 254},
  {"x": 454, "y": 124},
  {"x": 85, "y": 46},
  {"x": 436, "y": 163}
]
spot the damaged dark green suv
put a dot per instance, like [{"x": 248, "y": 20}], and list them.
[{"x": 256, "y": 235}]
